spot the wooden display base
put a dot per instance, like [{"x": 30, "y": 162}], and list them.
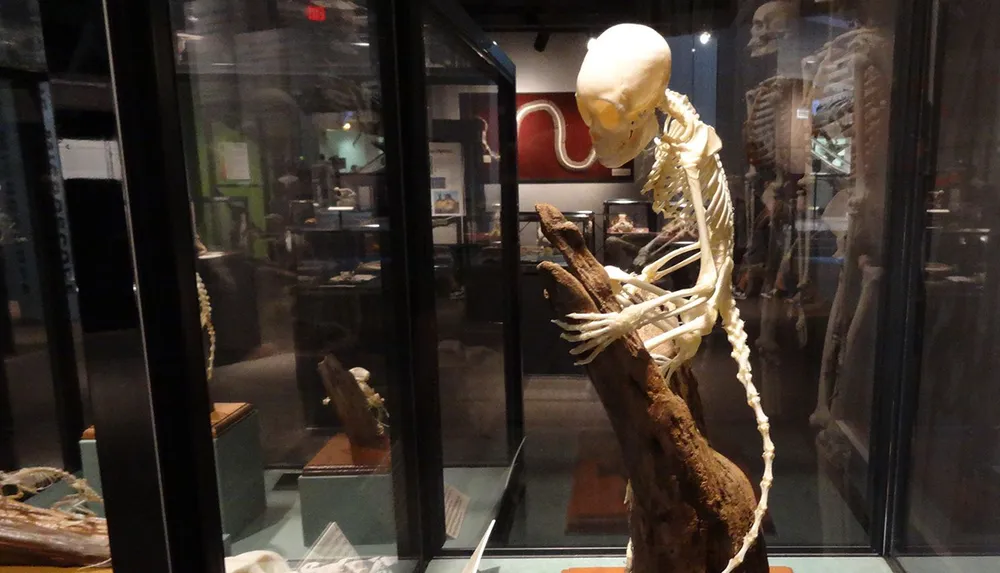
[
  {"x": 239, "y": 464},
  {"x": 223, "y": 416},
  {"x": 340, "y": 457},
  {"x": 622, "y": 570},
  {"x": 349, "y": 486}
]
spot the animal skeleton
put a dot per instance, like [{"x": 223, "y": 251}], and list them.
[
  {"x": 560, "y": 137},
  {"x": 622, "y": 83},
  {"x": 30, "y": 481},
  {"x": 205, "y": 310}
]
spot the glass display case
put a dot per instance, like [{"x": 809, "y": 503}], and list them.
[
  {"x": 337, "y": 349},
  {"x": 535, "y": 248},
  {"x": 629, "y": 225},
  {"x": 627, "y": 217}
]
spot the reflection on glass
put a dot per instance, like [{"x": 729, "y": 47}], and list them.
[
  {"x": 798, "y": 93},
  {"x": 49, "y": 515},
  {"x": 21, "y": 31},
  {"x": 469, "y": 277},
  {"x": 952, "y": 500},
  {"x": 284, "y": 142},
  {"x": 810, "y": 229}
]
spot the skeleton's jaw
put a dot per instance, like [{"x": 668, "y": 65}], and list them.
[
  {"x": 759, "y": 49},
  {"x": 616, "y": 149}
]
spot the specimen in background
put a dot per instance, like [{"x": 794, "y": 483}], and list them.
[
  {"x": 66, "y": 535},
  {"x": 361, "y": 410},
  {"x": 691, "y": 509}
]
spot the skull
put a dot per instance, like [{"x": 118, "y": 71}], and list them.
[
  {"x": 621, "y": 83},
  {"x": 771, "y": 22}
]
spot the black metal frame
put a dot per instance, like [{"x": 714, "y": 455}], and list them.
[
  {"x": 39, "y": 156},
  {"x": 160, "y": 426},
  {"x": 162, "y": 502},
  {"x": 418, "y": 470},
  {"x": 911, "y": 171}
]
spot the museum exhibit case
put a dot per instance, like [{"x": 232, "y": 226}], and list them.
[
  {"x": 362, "y": 339},
  {"x": 353, "y": 375}
]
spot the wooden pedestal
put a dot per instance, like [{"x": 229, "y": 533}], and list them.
[{"x": 349, "y": 486}]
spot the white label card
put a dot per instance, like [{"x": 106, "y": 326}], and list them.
[{"x": 456, "y": 504}]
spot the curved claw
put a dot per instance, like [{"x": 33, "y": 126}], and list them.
[
  {"x": 584, "y": 336},
  {"x": 590, "y": 358}
]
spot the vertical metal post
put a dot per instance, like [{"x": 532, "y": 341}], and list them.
[
  {"x": 52, "y": 225},
  {"x": 912, "y": 148},
  {"x": 510, "y": 206},
  {"x": 154, "y": 438},
  {"x": 409, "y": 270}
]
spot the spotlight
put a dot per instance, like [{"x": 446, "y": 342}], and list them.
[
  {"x": 541, "y": 41},
  {"x": 705, "y": 38},
  {"x": 347, "y": 126}
]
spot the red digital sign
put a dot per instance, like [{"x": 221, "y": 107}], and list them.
[{"x": 316, "y": 13}]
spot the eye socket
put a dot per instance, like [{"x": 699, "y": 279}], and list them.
[{"x": 607, "y": 114}]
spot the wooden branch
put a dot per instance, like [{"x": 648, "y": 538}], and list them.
[
  {"x": 691, "y": 506},
  {"x": 31, "y": 536},
  {"x": 351, "y": 405}
]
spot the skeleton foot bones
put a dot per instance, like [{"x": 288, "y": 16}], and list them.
[{"x": 621, "y": 85}]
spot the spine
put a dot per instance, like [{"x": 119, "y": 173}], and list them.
[{"x": 733, "y": 325}]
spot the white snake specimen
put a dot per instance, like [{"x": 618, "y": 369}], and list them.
[
  {"x": 687, "y": 182},
  {"x": 560, "y": 139}
]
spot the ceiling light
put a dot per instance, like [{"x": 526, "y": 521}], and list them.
[
  {"x": 705, "y": 37},
  {"x": 347, "y": 126},
  {"x": 360, "y": 44}
]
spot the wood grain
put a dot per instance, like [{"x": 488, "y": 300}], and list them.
[{"x": 692, "y": 506}]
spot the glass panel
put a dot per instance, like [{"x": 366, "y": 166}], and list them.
[
  {"x": 21, "y": 46},
  {"x": 469, "y": 279},
  {"x": 284, "y": 144},
  {"x": 48, "y": 515},
  {"x": 952, "y": 498},
  {"x": 798, "y": 93}
]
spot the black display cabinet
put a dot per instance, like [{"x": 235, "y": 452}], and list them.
[{"x": 343, "y": 175}]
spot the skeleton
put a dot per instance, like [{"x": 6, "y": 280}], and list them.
[
  {"x": 622, "y": 84},
  {"x": 205, "y": 311},
  {"x": 30, "y": 481},
  {"x": 771, "y": 22},
  {"x": 376, "y": 404},
  {"x": 776, "y": 139},
  {"x": 559, "y": 122},
  {"x": 850, "y": 78}
]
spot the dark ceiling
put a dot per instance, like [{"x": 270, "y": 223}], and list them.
[{"x": 670, "y": 16}]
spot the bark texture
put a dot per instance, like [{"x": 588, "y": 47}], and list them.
[
  {"x": 691, "y": 506},
  {"x": 31, "y": 536}
]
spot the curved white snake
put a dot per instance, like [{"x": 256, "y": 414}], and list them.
[{"x": 560, "y": 139}]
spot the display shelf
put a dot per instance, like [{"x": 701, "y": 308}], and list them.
[{"x": 612, "y": 564}]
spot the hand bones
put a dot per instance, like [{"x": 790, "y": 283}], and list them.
[{"x": 686, "y": 145}]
